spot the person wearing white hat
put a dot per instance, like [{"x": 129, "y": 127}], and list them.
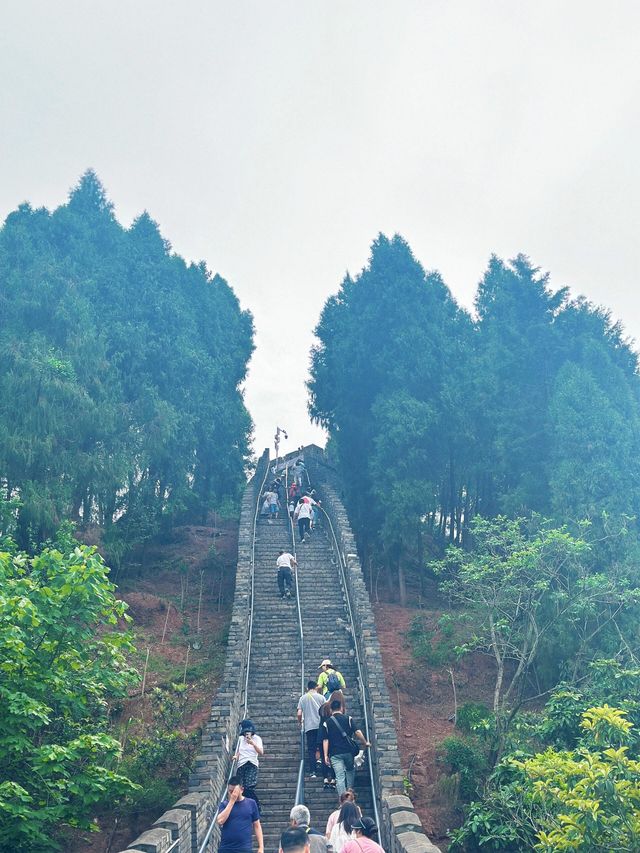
[{"x": 330, "y": 679}]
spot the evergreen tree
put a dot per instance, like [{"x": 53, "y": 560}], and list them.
[{"x": 120, "y": 372}]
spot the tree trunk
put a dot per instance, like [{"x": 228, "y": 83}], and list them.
[{"x": 402, "y": 586}]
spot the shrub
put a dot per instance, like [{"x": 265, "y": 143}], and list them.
[
  {"x": 471, "y": 715},
  {"x": 464, "y": 757}
]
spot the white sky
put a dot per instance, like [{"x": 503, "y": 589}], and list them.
[{"x": 275, "y": 139}]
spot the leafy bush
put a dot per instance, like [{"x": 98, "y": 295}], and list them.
[
  {"x": 161, "y": 764},
  {"x": 60, "y": 663},
  {"x": 465, "y": 757},
  {"x": 471, "y": 715},
  {"x": 435, "y": 648}
]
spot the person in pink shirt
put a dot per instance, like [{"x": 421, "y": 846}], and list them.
[
  {"x": 347, "y": 796},
  {"x": 365, "y": 831}
]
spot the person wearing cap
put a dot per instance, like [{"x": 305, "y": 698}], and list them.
[
  {"x": 366, "y": 832},
  {"x": 249, "y": 749},
  {"x": 328, "y": 669}
]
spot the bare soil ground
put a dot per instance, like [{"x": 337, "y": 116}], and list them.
[
  {"x": 423, "y": 701},
  {"x": 181, "y": 605}
]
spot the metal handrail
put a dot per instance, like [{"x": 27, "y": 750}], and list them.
[
  {"x": 253, "y": 573},
  {"x": 343, "y": 568},
  {"x": 234, "y": 763},
  {"x": 300, "y": 782}
]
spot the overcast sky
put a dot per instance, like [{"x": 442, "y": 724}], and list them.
[{"x": 275, "y": 139}]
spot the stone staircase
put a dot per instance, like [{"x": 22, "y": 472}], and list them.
[{"x": 275, "y": 682}]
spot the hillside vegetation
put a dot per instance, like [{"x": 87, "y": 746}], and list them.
[
  {"x": 122, "y": 422},
  {"x": 497, "y": 454},
  {"x": 120, "y": 367}
]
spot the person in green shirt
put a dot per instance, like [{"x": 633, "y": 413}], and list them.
[{"x": 329, "y": 679}]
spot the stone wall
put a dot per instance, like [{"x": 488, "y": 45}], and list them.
[
  {"x": 401, "y": 830},
  {"x": 185, "y": 824}
]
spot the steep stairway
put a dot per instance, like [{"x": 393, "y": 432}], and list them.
[
  {"x": 275, "y": 680},
  {"x": 326, "y": 635}
]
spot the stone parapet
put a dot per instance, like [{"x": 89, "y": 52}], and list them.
[
  {"x": 401, "y": 830},
  {"x": 187, "y": 822}
]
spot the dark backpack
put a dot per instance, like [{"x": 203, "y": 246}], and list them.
[{"x": 333, "y": 682}]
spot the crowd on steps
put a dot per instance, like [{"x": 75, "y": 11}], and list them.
[
  {"x": 347, "y": 830},
  {"x": 335, "y": 744},
  {"x": 335, "y": 747}
]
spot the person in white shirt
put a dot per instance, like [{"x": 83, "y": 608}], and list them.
[
  {"x": 285, "y": 564},
  {"x": 249, "y": 750},
  {"x": 342, "y": 831},
  {"x": 308, "y": 714},
  {"x": 303, "y": 516}
]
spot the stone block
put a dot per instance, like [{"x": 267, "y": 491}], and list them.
[
  {"x": 178, "y": 822},
  {"x": 397, "y": 801},
  {"x": 153, "y": 841},
  {"x": 415, "y": 842},
  {"x": 405, "y": 818}
]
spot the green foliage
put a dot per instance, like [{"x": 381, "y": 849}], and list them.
[
  {"x": 584, "y": 798},
  {"x": 435, "y": 648},
  {"x": 533, "y": 407},
  {"x": 120, "y": 374},
  {"x": 472, "y": 716},
  {"x": 531, "y": 592},
  {"x": 394, "y": 413},
  {"x": 160, "y": 764},
  {"x": 61, "y": 660},
  {"x": 589, "y": 798},
  {"x": 466, "y": 758}
]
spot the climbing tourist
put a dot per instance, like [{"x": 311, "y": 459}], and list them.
[
  {"x": 294, "y": 491},
  {"x": 292, "y": 509},
  {"x": 274, "y": 504},
  {"x": 294, "y": 840},
  {"x": 340, "y": 739},
  {"x": 366, "y": 832},
  {"x": 349, "y": 796},
  {"x": 301, "y": 473},
  {"x": 325, "y": 711},
  {"x": 238, "y": 816},
  {"x": 249, "y": 750},
  {"x": 308, "y": 714},
  {"x": 300, "y": 816},
  {"x": 329, "y": 777},
  {"x": 342, "y": 831},
  {"x": 285, "y": 564},
  {"x": 303, "y": 516},
  {"x": 330, "y": 679}
]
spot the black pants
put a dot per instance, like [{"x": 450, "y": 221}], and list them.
[
  {"x": 285, "y": 580},
  {"x": 312, "y": 745},
  {"x": 248, "y": 775},
  {"x": 304, "y": 526}
]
